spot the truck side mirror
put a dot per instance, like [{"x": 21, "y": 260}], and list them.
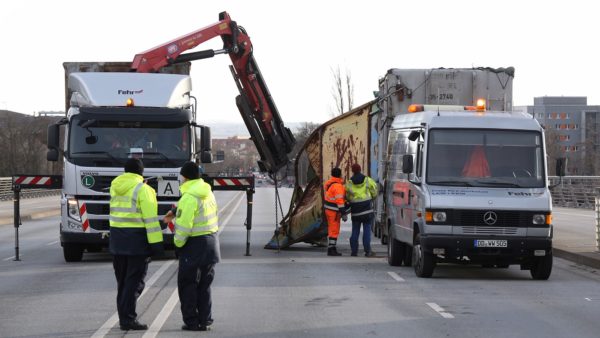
[
  {"x": 204, "y": 144},
  {"x": 205, "y": 140},
  {"x": 53, "y": 135},
  {"x": 561, "y": 166},
  {"x": 407, "y": 164}
]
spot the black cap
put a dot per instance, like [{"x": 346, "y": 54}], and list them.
[
  {"x": 336, "y": 172},
  {"x": 134, "y": 165},
  {"x": 190, "y": 170}
]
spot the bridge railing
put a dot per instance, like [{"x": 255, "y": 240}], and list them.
[
  {"x": 6, "y": 192},
  {"x": 575, "y": 191}
]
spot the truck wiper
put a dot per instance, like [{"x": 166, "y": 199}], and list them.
[
  {"x": 500, "y": 184},
  {"x": 157, "y": 153},
  {"x": 453, "y": 183},
  {"x": 100, "y": 152}
]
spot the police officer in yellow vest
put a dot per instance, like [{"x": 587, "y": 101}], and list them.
[
  {"x": 135, "y": 235},
  {"x": 196, "y": 239}
]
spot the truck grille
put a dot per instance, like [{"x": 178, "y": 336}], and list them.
[
  {"x": 102, "y": 183},
  {"x": 103, "y": 224},
  {"x": 104, "y": 208}
]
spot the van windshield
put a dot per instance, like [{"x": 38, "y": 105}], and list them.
[
  {"x": 485, "y": 158},
  {"x": 111, "y": 143}
]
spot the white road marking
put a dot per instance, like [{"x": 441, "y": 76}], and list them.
[
  {"x": 440, "y": 310},
  {"x": 588, "y": 299},
  {"x": 103, "y": 330},
  {"x": 221, "y": 228},
  {"x": 52, "y": 243},
  {"x": 11, "y": 257},
  {"x": 160, "y": 320},
  {"x": 396, "y": 276}
]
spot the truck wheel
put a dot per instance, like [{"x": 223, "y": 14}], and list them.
[
  {"x": 408, "y": 250},
  {"x": 72, "y": 252},
  {"x": 422, "y": 261},
  {"x": 541, "y": 268},
  {"x": 395, "y": 252}
]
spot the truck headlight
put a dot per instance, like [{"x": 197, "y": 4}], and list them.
[
  {"x": 539, "y": 219},
  {"x": 73, "y": 209}
]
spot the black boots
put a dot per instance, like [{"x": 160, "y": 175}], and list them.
[
  {"x": 134, "y": 325},
  {"x": 332, "y": 251}
]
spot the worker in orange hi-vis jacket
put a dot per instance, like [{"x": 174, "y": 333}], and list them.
[{"x": 335, "y": 208}]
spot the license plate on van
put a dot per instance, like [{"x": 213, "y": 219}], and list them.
[{"x": 491, "y": 243}]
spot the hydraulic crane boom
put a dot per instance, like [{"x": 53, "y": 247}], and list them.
[{"x": 272, "y": 139}]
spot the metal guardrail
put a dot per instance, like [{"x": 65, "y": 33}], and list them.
[
  {"x": 6, "y": 192},
  {"x": 575, "y": 191}
]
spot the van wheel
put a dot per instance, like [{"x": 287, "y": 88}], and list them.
[
  {"x": 72, "y": 252},
  {"x": 422, "y": 261},
  {"x": 384, "y": 238},
  {"x": 396, "y": 252},
  {"x": 541, "y": 267}
]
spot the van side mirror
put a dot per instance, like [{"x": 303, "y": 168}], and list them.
[
  {"x": 561, "y": 166},
  {"x": 407, "y": 164},
  {"x": 52, "y": 138}
]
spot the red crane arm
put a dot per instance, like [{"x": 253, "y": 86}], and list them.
[{"x": 272, "y": 139}]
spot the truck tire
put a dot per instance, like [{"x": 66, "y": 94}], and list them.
[
  {"x": 72, "y": 252},
  {"x": 408, "y": 253},
  {"x": 422, "y": 261},
  {"x": 396, "y": 252},
  {"x": 541, "y": 268}
]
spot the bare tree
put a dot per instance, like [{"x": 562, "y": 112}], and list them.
[
  {"x": 23, "y": 140},
  {"x": 342, "y": 91}
]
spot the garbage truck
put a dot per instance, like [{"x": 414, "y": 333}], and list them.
[{"x": 462, "y": 177}]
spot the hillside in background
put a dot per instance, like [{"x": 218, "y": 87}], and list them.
[{"x": 220, "y": 130}]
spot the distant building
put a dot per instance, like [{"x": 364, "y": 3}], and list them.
[
  {"x": 240, "y": 155},
  {"x": 576, "y": 126}
]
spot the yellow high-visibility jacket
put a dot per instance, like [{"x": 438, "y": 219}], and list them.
[
  {"x": 134, "y": 225},
  {"x": 196, "y": 212}
]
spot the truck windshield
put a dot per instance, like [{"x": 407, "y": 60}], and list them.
[
  {"x": 485, "y": 158},
  {"x": 110, "y": 143}
]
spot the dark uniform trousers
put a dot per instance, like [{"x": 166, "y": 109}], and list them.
[
  {"x": 197, "y": 261},
  {"x": 130, "y": 272}
]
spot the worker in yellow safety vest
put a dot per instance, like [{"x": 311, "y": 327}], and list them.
[
  {"x": 135, "y": 234},
  {"x": 361, "y": 190},
  {"x": 197, "y": 243}
]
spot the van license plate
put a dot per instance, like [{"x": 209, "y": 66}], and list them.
[{"x": 491, "y": 243}]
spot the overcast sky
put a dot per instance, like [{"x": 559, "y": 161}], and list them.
[{"x": 553, "y": 45}]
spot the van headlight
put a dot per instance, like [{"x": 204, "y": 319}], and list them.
[
  {"x": 435, "y": 216},
  {"x": 539, "y": 219},
  {"x": 73, "y": 209}
]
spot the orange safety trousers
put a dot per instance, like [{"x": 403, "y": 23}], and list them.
[{"x": 333, "y": 223}]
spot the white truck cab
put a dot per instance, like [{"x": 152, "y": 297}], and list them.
[{"x": 111, "y": 117}]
